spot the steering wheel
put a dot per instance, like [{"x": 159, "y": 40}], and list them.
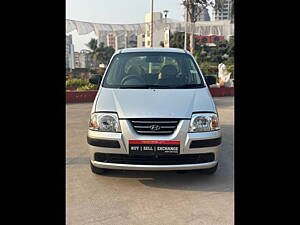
[{"x": 132, "y": 77}]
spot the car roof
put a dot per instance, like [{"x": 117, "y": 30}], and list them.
[{"x": 172, "y": 50}]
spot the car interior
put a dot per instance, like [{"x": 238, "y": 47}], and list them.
[{"x": 149, "y": 70}]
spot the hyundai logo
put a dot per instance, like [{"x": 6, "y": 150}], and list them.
[{"x": 154, "y": 127}]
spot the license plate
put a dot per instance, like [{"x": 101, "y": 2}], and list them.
[{"x": 149, "y": 147}]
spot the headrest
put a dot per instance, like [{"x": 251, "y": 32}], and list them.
[
  {"x": 168, "y": 70},
  {"x": 134, "y": 70}
]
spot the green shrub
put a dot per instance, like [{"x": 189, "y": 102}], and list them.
[
  {"x": 230, "y": 60},
  {"x": 88, "y": 87},
  {"x": 208, "y": 68},
  {"x": 230, "y": 69},
  {"x": 204, "y": 68},
  {"x": 76, "y": 83}
]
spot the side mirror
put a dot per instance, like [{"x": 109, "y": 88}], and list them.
[
  {"x": 210, "y": 79},
  {"x": 95, "y": 79}
]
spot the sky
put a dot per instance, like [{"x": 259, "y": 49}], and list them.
[{"x": 116, "y": 11}]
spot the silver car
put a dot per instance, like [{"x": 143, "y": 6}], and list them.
[{"x": 153, "y": 111}]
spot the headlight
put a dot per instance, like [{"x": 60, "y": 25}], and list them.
[
  {"x": 204, "y": 122},
  {"x": 104, "y": 122}
]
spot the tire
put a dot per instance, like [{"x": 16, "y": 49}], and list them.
[
  {"x": 210, "y": 171},
  {"x": 97, "y": 170}
]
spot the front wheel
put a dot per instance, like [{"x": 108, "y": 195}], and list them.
[{"x": 97, "y": 170}]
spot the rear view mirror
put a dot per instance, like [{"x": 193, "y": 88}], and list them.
[
  {"x": 210, "y": 79},
  {"x": 154, "y": 59},
  {"x": 95, "y": 79}
]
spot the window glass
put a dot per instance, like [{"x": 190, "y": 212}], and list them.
[{"x": 153, "y": 69}]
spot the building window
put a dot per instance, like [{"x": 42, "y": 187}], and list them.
[
  {"x": 148, "y": 43},
  {"x": 143, "y": 44}
]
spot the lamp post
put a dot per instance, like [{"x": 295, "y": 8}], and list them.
[
  {"x": 166, "y": 31},
  {"x": 151, "y": 42},
  {"x": 185, "y": 28},
  {"x": 166, "y": 14}
]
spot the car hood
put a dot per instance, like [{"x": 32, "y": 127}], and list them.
[{"x": 154, "y": 103}]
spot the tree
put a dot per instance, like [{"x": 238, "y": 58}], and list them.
[
  {"x": 93, "y": 45},
  {"x": 230, "y": 49},
  {"x": 104, "y": 53},
  {"x": 195, "y": 7},
  {"x": 100, "y": 53},
  {"x": 132, "y": 43},
  {"x": 177, "y": 40},
  {"x": 223, "y": 51}
]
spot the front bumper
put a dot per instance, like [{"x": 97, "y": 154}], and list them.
[
  {"x": 180, "y": 134},
  {"x": 119, "y": 166}
]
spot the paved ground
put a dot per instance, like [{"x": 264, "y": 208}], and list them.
[{"x": 139, "y": 197}]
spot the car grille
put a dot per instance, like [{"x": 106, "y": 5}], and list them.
[
  {"x": 154, "y": 126},
  {"x": 151, "y": 160}
]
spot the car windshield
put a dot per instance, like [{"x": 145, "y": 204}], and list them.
[{"x": 153, "y": 70}]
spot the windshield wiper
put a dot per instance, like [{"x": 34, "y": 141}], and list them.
[
  {"x": 143, "y": 87},
  {"x": 134, "y": 87},
  {"x": 162, "y": 86}
]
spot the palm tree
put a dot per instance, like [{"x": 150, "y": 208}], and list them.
[
  {"x": 100, "y": 53},
  {"x": 93, "y": 45},
  {"x": 104, "y": 53}
]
